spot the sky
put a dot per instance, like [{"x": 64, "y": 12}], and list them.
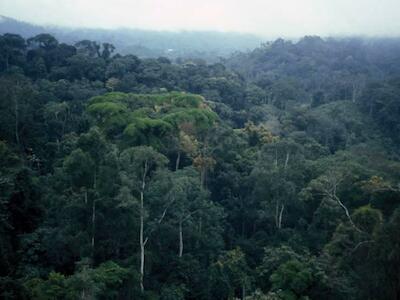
[{"x": 270, "y": 18}]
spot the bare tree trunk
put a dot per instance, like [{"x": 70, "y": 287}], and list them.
[
  {"x": 94, "y": 212},
  {"x": 287, "y": 159},
  {"x": 347, "y": 213},
  {"x": 180, "y": 239},
  {"x": 178, "y": 159},
  {"x": 93, "y": 223},
  {"x": 280, "y": 217},
  {"x": 279, "y": 214},
  {"x": 142, "y": 241},
  {"x": 331, "y": 193},
  {"x": 142, "y": 257}
]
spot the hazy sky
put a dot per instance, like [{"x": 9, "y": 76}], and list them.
[{"x": 263, "y": 17}]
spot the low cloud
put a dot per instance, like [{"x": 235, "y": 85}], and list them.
[{"x": 287, "y": 18}]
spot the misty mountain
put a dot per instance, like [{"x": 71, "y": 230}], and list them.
[{"x": 145, "y": 43}]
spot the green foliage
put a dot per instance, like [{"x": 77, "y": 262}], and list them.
[
  {"x": 106, "y": 110},
  {"x": 102, "y": 282},
  {"x": 146, "y": 131},
  {"x": 231, "y": 273},
  {"x": 173, "y": 292},
  {"x": 151, "y": 119},
  {"x": 367, "y": 218},
  {"x": 52, "y": 288},
  {"x": 293, "y": 278},
  {"x": 79, "y": 167},
  {"x": 272, "y": 260},
  {"x": 200, "y": 119},
  {"x": 273, "y": 174}
]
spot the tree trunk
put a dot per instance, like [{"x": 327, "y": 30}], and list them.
[
  {"x": 347, "y": 213},
  {"x": 93, "y": 223},
  {"x": 180, "y": 239},
  {"x": 331, "y": 193},
  {"x": 287, "y": 160},
  {"x": 178, "y": 159},
  {"x": 280, "y": 217},
  {"x": 279, "y": 214},
  {"x": 142, "y": 241},
  {"x": 94, "y": 211},
  {"x": 141, "y": 263}
]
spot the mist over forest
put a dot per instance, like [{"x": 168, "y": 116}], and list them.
[
  {"x": 206, "y": 45},
  {"x": 172, "y": 165}
]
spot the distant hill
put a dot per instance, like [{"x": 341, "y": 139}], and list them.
[
  {"x": 145, "y": 43},
  {"x": 10, "y": 25}
]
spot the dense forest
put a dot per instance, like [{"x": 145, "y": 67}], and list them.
[
  {"x": 273, "y": 174},
  {"x": 208, "y": 45}
]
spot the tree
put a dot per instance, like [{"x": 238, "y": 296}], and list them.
[
  {"x": 9, "y": 168},
  {"x": 387, "y": 251},
  {"x": 190, "y": 200},
  {"x": 231, "y": 273},
  {"x": 12, "y": 51},
  {"x": 292, "y": 279},
  {"x": 139, "y": 165},
  {"x": 83, "y": 167},
  {"x": 108, "y": 49},
  {"x": 276, "y": 178},
  {"x": 328, "y": 186},
  {"x": 102, "y": 282},
  {"x": 56, "y": 115},
  {"x": 16, "y": 105},
  {"x": 272, "y": 259},
  {"x": 44, "y": 41},
  {"x": 89, "y": 48}
]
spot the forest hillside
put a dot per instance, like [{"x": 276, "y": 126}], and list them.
[{"x": 271, "y": 174}]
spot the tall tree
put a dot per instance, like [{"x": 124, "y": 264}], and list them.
[{"x": 139, "y": 165}]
